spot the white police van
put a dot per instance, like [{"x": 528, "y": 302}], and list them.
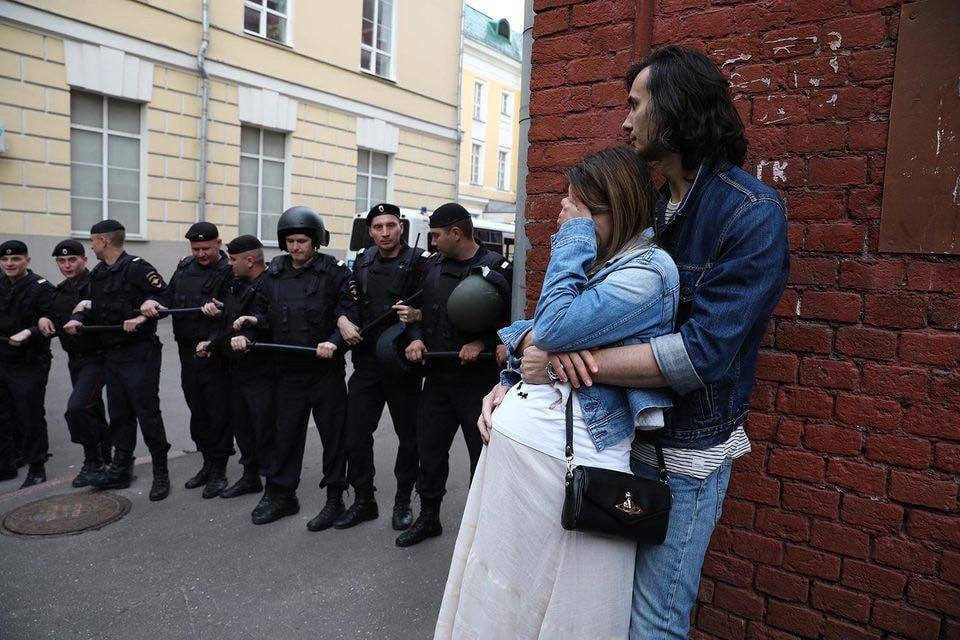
[{"x": 495, "y": 236}]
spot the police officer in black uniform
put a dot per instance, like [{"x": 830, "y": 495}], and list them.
[
  {"x": 386, "y": 273},
  {"x": 86, "y": 415},
  {"x": 119, "y": 284},
  {"x": 25, "y": 300},
  {"x": 201, "y": 277},
  {"x": 306, "y": 299},
  {"x": 252, "y": 375},
  {"x": 453, "y": 390}
]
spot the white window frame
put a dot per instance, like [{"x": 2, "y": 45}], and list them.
[
  {"x": 261, "y": 6},
  {"x": 369, "y": 174},
  {"x": 476, "y": 164},
  {"x": 104, "y": 132},
  {"x": 286, "y": 178},
  {"x": 503, "y": 169},
  {"x": 374, "y": 51},
  {"x": 506, "y": 96},
  {"x": 479, "y": 101}
]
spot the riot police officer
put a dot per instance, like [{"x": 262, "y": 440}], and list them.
[
  {"x": 453, "y": 390},
  {"x": 252, "y": 378},
  {"x": 306, "y": 299},
  {"x": 386, "y": 274},
  {"x": 86, "y": 414},
  {"x": 199, "y": 278},
  {"x": 25, "y": 358},
  {"x": 119, "y": 284}
]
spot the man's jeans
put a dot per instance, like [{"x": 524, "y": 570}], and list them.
[{"x": 667, "y": 576}]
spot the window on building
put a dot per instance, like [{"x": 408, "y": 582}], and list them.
[
  {"x": 262, "y": 171},
  {"x": 503, "y": 170},
  {"x": 376, "y": 40},
  {"x": 373, "y": 178},
  {"x": 476, "y": 163},
  {"x": 506, "y": 104},
  {"x": 267, "y": 19},
  {"x": 104, "y": 161},
  {"x": 479, "y": 101}
]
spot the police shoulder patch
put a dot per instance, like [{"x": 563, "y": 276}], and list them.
[
  {"x": 361, "y": 250},
  {"x": 341, "y": 263},
  {"x": 137, "y": 259},
  {"x": 425, "y": 254},
  {"x": 506, "y": 263},
  {"x": 42, "y": 281},
  {"x": 155, "y": 280}
]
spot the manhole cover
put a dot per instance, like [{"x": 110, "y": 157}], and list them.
[{"x": 65, "y": 514}]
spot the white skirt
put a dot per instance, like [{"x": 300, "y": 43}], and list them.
[{"x": 516, "y": 573}]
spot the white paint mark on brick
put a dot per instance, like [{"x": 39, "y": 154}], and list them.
[
  {"x": 833, "y": 99},
  {"x": 743, "y": 57},
  {"x": 814, "y": 81},
  {"x": 779, "y": 171},
  {"x": 956, "y": 191},
  {"x": 834, "y": 64},
  {"x": 837, "y": 39}
]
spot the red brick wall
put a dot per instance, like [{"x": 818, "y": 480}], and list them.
[{"x": 843, "y": 522}]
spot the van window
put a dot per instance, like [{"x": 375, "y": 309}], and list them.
[
  {"x": 491, "y": 239},
  {"x": 360, "y": 235}
]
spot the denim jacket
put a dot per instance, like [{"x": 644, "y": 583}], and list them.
[
  {"x": 729, "y": 241},
  {"x": 629, "y": 300}
]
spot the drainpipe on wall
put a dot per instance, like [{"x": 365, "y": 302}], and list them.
[
  {"x": 519, "y": 302},
  {"x": 205, "y": 110},
  {"x": 456, "y": 173}
]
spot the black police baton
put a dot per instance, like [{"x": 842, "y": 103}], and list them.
[
  {"x": 283, "y": 348},
  {"x": 391, "y": 313},
  {"x": 183, "y": 311},
  {"x": 91, "y": 328}
]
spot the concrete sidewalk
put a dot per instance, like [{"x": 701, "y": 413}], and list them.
[{"x": 192, "y": 568}]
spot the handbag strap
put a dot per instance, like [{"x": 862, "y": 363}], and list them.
[{"x": 568, "y": 451}]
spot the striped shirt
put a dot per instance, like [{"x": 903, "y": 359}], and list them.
[{"x": 698, "y": 463}]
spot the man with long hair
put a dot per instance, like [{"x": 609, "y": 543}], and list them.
[{"x": 727, "y": 232}]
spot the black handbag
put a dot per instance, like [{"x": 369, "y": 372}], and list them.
[{"x": 612, "y": 502}]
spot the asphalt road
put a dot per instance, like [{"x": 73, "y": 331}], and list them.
[{"x": 193, "y": 568}]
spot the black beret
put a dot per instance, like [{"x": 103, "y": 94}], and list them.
[
  {"x": 13, "y": 248},
  {"x": 106, "y": 226},
  {"x": 200, "y": 231},
  {"x": 243, "y": 243},
  {"x": 382, "y": 209},
  {"x": 446, "y": 214},
  {"x": 68, "y": 248}
]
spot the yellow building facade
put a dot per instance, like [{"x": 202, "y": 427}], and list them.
[
  {"x": 490, "y": 115},
  {"x": 324, "y": 104}
]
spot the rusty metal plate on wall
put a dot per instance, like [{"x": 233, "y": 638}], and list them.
[
  {"x": 66, "y": 514},
  {"x": 921, "y": 192}
]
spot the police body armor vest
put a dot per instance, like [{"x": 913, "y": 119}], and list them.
[
  {"x": 240, "y": 302},
  {"x": 301, "y": 307},
  {"x": 195, "y": 286},
  {"x": 18, "y": 304},
  {"x": 64, "y": 301},
  {"x": 115, "y": 300}
]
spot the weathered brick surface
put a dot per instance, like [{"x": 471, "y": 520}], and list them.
[{"x": 843, "y": 522}]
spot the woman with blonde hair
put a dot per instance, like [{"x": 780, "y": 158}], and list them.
[{"x": 516, "y": 573}]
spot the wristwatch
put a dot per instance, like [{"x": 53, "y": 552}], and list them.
[{"x": 552, "y": 373}]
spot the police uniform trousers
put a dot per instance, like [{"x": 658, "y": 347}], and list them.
[
  {"x": 207, "y": 392},
  {"x": 448, "y": 401},
  {"x": 253, "y": 414},
  {"x": 23, "y": 387},
  {"x": 133, "y": 384},
  {"x": 304, "y": 388},
  {"x": 86, "y": 416},
  {"x": 369, "y": 390}
]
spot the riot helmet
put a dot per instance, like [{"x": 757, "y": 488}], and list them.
[
  {"x": 476, "y": 305},
  {"x": 303, "y": 220}
]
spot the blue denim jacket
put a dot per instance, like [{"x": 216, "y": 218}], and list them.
[
  {"x": 729, "y": 241},
  {"x": 629, "y": 300}
]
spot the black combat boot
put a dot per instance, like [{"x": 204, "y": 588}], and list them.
[
  {"x": 92, "y": 466},
  {"x": 426, "y": 526},
  {"x": 160, "y": 488},
  {"x": 363, "y": 508},
  {"x": 35, "y": 475},
  {"x": 275, "y": 504},
  {"x": 216, "y": 480},
  {"x": 106, "y": 454},
  {"x": 402, "y": 513},
  {"x": 118, "y": 475},
  {"x": 332, "y": 510},
  {"x": 201, "y": 477},
  {"x": 249, "y": 482}
]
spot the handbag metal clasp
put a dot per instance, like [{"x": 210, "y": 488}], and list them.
[{"x": 629, "y": 507}]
